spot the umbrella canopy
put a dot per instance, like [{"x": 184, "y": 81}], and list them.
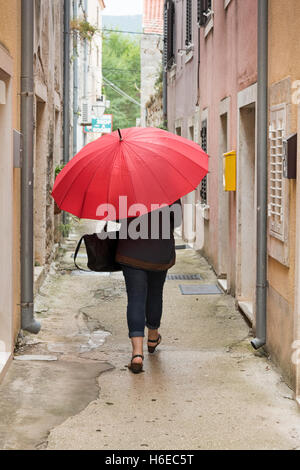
[{"x": 146, "y": 165}]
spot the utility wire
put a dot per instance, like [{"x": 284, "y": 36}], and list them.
[
  {"x": 130, "y": 32},
  {"x": 121, "y": 92}
]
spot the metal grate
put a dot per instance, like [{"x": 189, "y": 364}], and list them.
[
  {"x": 204, "y": 289},
  {"x": 169, "y": 14},
  {"x": 276, "y": 193},
  {"x": 203, "y": 188},
  {"x": 183, "y": 277},
  {"x": 181, "y": 247},
  {"x": 188, "y": 37}
]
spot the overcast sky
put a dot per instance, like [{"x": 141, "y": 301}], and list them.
[{"x": 123, "y": 7}]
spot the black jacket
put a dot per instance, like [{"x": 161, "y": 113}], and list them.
[{"x": 147, "y": 242}]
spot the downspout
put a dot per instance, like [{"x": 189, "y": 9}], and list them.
[
  {"x": 85, "y": 67},
  {"x": 165, "y": 98},
  {"x": 66, "y": 90},
  {"x": 164, "y": 68},
  {"x": 28, "y": 322},
  {"x": 75, "y": 79},
  {"x": 66, "y": 111},
  {"x": 262, "y": 172}
]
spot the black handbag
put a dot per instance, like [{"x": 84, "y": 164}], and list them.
[{"x": 101, "y": 252}]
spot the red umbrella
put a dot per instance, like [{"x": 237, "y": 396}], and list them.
[{"x": 148, "y": 165}]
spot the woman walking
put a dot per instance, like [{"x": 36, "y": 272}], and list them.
[{"x": 146, "y": 250}]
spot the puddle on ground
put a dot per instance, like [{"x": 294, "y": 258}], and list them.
[{"x": 80, "y": 342}]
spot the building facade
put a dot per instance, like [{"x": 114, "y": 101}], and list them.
[
  {"x": 87, "y": 57},
  {"x": 283, "y": 313},
  {"x": 212, "y": 74},
  {"x": 10, "y": 70},
  {"x": 151, "y": 63},
  {"x": 48, "y": 111},
  {"x": 212, "y": 99}
]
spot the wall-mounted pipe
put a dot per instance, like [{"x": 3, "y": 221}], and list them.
[
  {"x": 165, "y": 77},
  {"x": 28, "y": 321},
  {"x": 75, "y": 80},
  {"x": 262, "y": 173},
  {"x": 66, "y": 110}
]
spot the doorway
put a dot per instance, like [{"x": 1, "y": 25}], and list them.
[
  {"x": 223, "y": 209},
  {"x": 6, "y": 217},
  {"x": 189, "y": 214},
  {"x": 246, "y": 273}
]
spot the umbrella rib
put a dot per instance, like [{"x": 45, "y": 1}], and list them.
[
  {"x": 176, "y": 169},
  {"x": 82, "y": 169},
  {"x": 86, "y": 190},
  {"x": 109, "y": 183},
  {"x": 132, "y": 185},
  {"x": 186, "y": 145},
  {"x": 147, "y": 166}
]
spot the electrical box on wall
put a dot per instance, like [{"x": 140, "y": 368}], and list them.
[
  {"x": 229, "y": 171},
  {"x": 290, "y": 157}
]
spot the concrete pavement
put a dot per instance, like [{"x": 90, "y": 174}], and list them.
[{"x": 205, "y": 388}]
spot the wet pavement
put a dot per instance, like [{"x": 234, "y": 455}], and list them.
[{"x": 205, "y": 388}]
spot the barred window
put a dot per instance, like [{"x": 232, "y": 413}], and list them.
[
  {"x": 276, "y": 180},
  {"x": 203, "y": 188},
  {"x": 189, "y": 22},
  {"x": 169, "y": 15}
]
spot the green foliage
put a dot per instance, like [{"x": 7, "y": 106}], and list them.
[
  {"x": 58, "y": 169},
  {"x": 121, "y": 65},
  {"x": 85, "y": 29},
  {"x": 65, "y": 229}
]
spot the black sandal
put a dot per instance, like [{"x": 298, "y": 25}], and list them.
[
  {"x": 136, "y": 367},
  {"x": 151, "y": 349}
]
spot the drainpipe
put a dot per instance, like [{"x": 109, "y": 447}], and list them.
[
  {"x": 75, "y": 79},
  {"x": 164, "y": 66},
  {"x": 165, "y": 95},
  {"x": 262, "y": 168},
  {"x": 66, "y": 90},
  {"x": 85, "y": 68},
  {"x": 66, "y": 112},
  {"x": 28, "y": 322}
]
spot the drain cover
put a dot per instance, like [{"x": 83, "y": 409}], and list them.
[
  {"x": 204, "y": 289},
  {"x": 181, "y": 247},
  {"x": 183, "y": 277}
]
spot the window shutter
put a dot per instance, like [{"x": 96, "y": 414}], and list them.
[
  {"x": 169, "y": 13},
  {"x": 203, "y": 189},
  {"x": 204, "y": 6},
  {"x": 188, "y": 39},
  {"x": 276, "y": 180}
]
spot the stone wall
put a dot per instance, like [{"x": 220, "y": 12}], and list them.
[
  {"x": 154, "y": 111},
  {"x": 48, "y": 78}
]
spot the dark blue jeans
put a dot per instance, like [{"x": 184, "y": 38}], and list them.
[{"x": 145, "y": 299}]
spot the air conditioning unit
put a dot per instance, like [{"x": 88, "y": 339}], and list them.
[{"x": 86, "y": 114}]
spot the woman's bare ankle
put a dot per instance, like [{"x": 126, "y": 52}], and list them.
[{"x": 152, "y": 334}]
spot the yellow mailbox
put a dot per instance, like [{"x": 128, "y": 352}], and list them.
[{"x": 229, "y": 171}]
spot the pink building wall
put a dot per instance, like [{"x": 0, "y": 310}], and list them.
[{"x": 228, "y": 64}]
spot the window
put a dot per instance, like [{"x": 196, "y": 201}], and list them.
[
  {"x": 277, "y": 198},
  {"x": 203, "y": 188},
  {"x": 169, "y": 14},
  {"x": 204, "y": 11},
  {"x": 189, "y": 23}
]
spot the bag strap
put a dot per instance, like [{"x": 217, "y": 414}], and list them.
[{"x": 76, "y": 253}]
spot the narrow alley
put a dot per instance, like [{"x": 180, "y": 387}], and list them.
[{"x": 205, "y": 388}]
